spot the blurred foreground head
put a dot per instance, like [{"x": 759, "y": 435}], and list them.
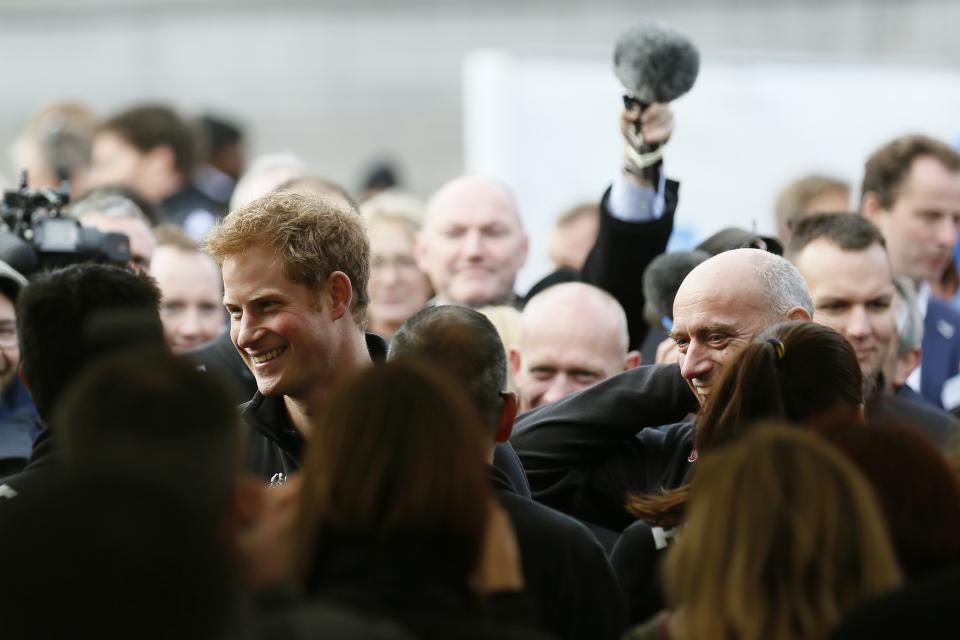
[
  {"x": 745, "y": 568},
  {"x": 403, "y": 473}
]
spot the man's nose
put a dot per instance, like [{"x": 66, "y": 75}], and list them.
[
  {"x": 858, "y": 323},
  {"x": 190, "y": 324},
  {"x": 248, "y": 331},
  {"x": 473, "y": 244},
  {"x": 696, "y": 362},
  {"x": 561, "y": 386}
]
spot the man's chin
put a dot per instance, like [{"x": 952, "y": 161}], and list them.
[{"x": 477, "y": 296}]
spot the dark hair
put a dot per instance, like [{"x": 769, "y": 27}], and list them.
[
  {"x": 149, "y": 126},
  {"x": 463, "y": 343},
  {"x": 219, "y": 132},
  {"x": 149, "y": 415},
  {"x": 793, "y": 372},
  {"x": 849, "y": 232},
  {"x": 62, "y": 317},
  {"x": 112, "y": 557},
  {"x": 889, "y": 165},
  {"x": 918, "y": 491},
  {"x": 399, "y": 459}
]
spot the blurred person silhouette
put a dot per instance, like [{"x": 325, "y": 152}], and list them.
[
  {"x": 796, "y": 372},
  {"x": 191, "y": 290},
  {"x": 380, "y": 177},
  {"x": 317, "y": 185},
  {"x": 573, "y": 235},
  {"x": 19, "y": 423},
  {"x": 396, "y": 517},
  {"x": 565, "y": 567},
  {"x": 110, "y": 211},
  {"x": 398, "y": 288},
  {"x": 222, "y": 160},
  {"x": 573, "y": 335},
  {"x": 144, "y": 510},
  {"x": 266, "y": 173},
  {"x": 152, "y": 150},
  {"x": 901, "y": 465},
  {"x": 66, "y": 318},
  {"x": 905, "y": 357},
  {"x": 911, "y": 191},
  {"x": 808, "y": 195},
  {"x": 743, "y": 568},
  {"x": 55, "y": 147}
]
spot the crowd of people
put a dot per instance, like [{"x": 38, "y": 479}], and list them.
[{"x": 296, "y": 411}]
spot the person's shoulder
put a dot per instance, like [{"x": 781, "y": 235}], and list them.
[{"x": 545, "y": 527}]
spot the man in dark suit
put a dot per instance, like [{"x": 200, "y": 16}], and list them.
[{"x": 844, "y": 261}]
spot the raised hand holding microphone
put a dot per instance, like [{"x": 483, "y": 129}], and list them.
[
  {"x": 656, "y": 66},
  {"x": 649, "y": 128}
]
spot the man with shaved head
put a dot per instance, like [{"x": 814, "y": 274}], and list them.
[
  {"x": 472, "y": 244},
  {"x": 572, "y": 336},
  {"x": 585, "y": 452}
]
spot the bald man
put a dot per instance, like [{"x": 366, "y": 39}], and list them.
[
  {"x": 472, "y": 243},
  {"x": 572, "y": 336},
  {"x": 585, "y": 452}
]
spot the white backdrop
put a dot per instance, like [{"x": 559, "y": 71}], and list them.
[{"x": 548, "y": 128}]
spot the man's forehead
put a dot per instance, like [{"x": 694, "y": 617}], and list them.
[
  {"x": 472, "y": 201},
  {"x": 824, "y": 265}
]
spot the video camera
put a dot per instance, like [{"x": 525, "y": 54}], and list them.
[{"x": 36, "y": 235}]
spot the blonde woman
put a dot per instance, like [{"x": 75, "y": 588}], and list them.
[
  {"x": 398, "y": 288},
  {"x": 783, "y": 536}
]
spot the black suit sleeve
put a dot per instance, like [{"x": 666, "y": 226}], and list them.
[
  {"x": 622, "y": 253},
  {"x": 581, "y": 453}
]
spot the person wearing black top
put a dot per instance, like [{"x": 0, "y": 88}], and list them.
[{"x": 564, "y": 565}]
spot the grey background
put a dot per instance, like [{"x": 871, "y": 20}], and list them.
[{"x": 344, "y": 82}]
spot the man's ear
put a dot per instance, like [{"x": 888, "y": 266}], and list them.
[
  {"x": 906, "y": 365},
  {"x": 339, "y": 292},
  {"x": 514, "y": 355},
  {"x": 870, "y": 207},
  {"x": 632, "y": 360},
  {"x": 798, "y": 313},
  {"x": 420, "y": 252},
  {"x": 507, "y": 415}
]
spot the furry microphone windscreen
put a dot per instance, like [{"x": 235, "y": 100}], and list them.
[{"x": 655, "y": 64}]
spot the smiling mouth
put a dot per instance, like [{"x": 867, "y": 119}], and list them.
[{"x": 268, "y": 356}]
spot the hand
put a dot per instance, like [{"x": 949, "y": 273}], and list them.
[
  {"x": 499, "y": 565},
  {"x": 264, "y": 539},
  {"x": 656, "y": 124},
  {"x": 667, "y": 352}
]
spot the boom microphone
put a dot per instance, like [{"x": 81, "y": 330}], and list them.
[{"x": 655, "y": 64}]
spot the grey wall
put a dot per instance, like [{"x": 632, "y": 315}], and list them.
[{"x": 341, "y": 82}]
